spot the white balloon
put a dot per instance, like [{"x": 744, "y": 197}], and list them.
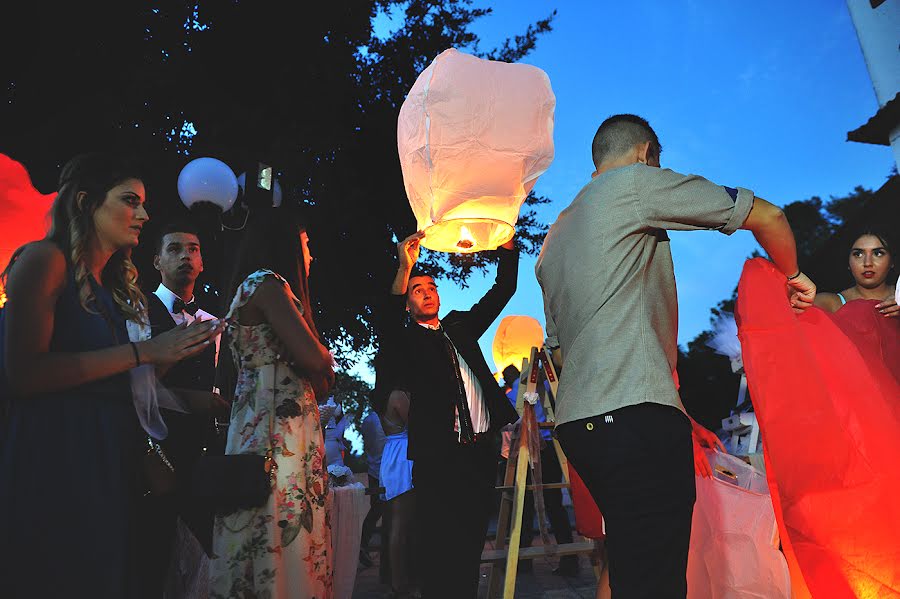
[
  {"x": 276, "y": 189},
  {"x": 207, "y": 180}
]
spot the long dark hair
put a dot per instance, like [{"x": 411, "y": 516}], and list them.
[
  {"x": 272, "y": 241},
  {"x": 72, "y": 226},
  {"x": 875, "y": 232}
]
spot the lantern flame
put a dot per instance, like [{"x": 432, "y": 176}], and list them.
[{"x": 466, "y": 241}]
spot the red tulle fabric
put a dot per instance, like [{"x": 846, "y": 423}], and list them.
[
  {"x": 826, "y": 390},
  {"x": 588, "y": 519},
  {"x": 23, "y": 210}
]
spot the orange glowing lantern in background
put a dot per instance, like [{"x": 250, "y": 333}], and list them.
[
  {"x": 514, "y": 339},
  {"x": 23, "y": 211},
  {"x": 473, "y": 135}
]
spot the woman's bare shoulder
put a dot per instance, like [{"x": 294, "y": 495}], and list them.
[{"x": 39, "y": 262}]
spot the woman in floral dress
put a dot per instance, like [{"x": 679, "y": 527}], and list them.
[{"x": 283, "y": 549}]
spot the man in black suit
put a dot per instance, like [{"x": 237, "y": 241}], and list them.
[
  {"x": 179, "y": 262},
  {"x": 456, "y": 411}
]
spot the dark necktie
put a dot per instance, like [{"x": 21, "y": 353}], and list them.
[
  {"x": 466, "y": 431},
  {"x": 190, "y": 307}
]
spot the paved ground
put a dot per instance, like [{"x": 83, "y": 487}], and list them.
[{"x": 539, "y": 584}]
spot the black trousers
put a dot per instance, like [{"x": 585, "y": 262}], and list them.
[
  {"x": 453, "y": 506},
  {"x": 637, "y": 462}
]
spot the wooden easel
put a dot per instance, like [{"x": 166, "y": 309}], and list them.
[{"x": 537, "y": 368}]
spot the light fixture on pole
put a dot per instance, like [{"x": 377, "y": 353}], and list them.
[
  {"x": 207, "y": 180},
  {"x": 208, "y": 187}
]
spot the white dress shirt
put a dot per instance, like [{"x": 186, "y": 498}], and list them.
[
  {"x": 481, "y": 418},
  {"x": 168, "y": 299}
]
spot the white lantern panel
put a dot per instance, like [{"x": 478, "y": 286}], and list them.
[
  {"x": 207, "y": 180},
  {"x": 473, "y": 137}
]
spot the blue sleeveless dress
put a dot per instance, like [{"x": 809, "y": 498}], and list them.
[
  {"x": 68, "y": 467},
  {"x": 396, "y": 469}
]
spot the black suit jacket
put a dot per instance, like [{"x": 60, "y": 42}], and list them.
[
  {"x": 197, "y": 372},
  {"x": 188, "y": 433},
  {"x": 417, "y": 359}
]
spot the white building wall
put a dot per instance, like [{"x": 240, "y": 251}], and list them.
[{"x": 878, "y": 30}]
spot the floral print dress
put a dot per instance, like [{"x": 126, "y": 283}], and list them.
[{"x": 281, "y": 550}]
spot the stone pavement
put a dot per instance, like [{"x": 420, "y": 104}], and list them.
[{"x": 541, "y": 584}]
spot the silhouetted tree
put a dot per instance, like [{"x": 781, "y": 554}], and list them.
[{"x": 309, "y": 88}]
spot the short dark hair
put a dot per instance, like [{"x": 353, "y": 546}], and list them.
[
  {"x": 181, "y": 226},
  {"x": 619, "y": 133},
  {"x": 510, "y": 373}
]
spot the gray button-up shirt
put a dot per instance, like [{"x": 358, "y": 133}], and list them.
[{"x": 609, "y": 286}]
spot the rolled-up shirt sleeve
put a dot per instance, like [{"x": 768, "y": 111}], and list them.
[{"x": 670, "y": 200}]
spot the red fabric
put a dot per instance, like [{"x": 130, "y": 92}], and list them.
[
  {"x": 23, "y": 210},
  {"x": 588, "y": 519},
  {"x": 827, "y": 403}
]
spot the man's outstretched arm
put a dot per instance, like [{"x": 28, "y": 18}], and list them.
[
  {"x": 488, "y": 308},
  {"x": 771, "y": 229}
]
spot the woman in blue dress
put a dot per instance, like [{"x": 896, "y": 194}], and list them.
[
  {"x": 396, "y": 478},
  {"x": 69, "y": 446}
]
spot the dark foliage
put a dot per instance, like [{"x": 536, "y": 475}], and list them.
[{"x": 309, "y": 88}]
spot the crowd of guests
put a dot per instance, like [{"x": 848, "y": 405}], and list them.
[{"x": 93, "y": 490}]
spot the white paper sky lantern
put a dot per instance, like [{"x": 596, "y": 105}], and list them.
[
  {"x": 515, "y": 337},
  {"x": 207, "y": 180},
  {"x": 473, "y": 135}
]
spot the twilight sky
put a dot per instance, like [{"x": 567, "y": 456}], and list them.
[{"x": 752, "y": 94}]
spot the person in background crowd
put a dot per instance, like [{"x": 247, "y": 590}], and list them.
[
  {"x": 373, "y": 446},
  {"x": 179, "y": 261},
  {"x": 396, "y": 476}
]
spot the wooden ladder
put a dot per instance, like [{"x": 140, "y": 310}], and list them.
[{"x": 535, "y": 370}]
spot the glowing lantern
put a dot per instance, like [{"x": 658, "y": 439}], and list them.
[
  {"x": 514, "y": 339},
  {"x": 473, "y": 135},
  {"x": 23, "y": 211},
  {"x": 207, "y": 180}
]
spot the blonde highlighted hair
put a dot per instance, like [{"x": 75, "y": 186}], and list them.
[{"x": 72, "y": 227}]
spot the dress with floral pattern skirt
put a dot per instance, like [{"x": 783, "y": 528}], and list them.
[{"x": 283, "y": 549}]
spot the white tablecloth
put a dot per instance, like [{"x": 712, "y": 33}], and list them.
[{"x": 350, "y": 506}]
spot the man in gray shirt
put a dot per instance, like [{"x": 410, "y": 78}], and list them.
[{"x": 612, "y": 313}]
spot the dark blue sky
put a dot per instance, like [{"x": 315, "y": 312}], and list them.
[{"x": 752, "y": 94}]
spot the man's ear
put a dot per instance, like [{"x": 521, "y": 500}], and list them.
[
  {"x": 156, "y": 261},
  {"x": 643, "y": 152}
]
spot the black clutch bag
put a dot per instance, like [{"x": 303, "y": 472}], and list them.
[{"x": 227, "y": 483}]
